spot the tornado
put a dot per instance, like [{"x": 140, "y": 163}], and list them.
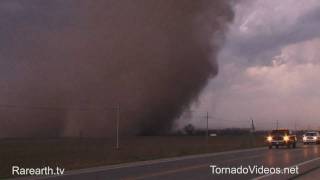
[{"x": 73, "y": 68}]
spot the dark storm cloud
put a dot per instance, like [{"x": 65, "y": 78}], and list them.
[{"x": 149, "y": 56}]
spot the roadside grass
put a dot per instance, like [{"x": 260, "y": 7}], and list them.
[{"x": 73, "y": 153}]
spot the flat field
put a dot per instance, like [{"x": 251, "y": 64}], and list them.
[{"x": 74, "y": 153}]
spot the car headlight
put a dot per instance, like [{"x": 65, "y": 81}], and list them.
[
  {"x": 315, "y": 138},
  {"x": 304, "y": 138},
  {"x": 286, "y": 138},
  {"x": 269, "y": 138}
]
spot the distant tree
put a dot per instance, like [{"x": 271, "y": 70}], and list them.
[{"x": 189, "y": 129}]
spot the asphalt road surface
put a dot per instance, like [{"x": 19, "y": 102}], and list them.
[{"x": 306, "y": 157}]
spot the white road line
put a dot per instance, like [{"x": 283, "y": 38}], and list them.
[{"x": 300, "y": 164}]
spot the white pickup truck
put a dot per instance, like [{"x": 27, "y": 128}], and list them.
[{"x": 311, "y": 137}]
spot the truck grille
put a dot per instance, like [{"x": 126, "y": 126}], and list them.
[{"x": 278, "y": 138}]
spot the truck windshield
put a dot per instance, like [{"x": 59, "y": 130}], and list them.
[
  {"x": 280, "y": 132},
  {"x": 311, "y": 134}
]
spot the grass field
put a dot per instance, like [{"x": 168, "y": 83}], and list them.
[{"x": 82, "y": 153}]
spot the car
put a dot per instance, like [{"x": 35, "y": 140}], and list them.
[
  {"x": 281, "y": 137},
  {"x": 311, "y": 137}
]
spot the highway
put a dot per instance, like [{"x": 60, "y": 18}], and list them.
[{"x": 306, "y": 157}]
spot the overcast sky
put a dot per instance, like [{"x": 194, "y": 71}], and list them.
[{"x": 269, "y": 68}]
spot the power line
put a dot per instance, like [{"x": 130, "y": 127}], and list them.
[{"x": 9, "y": 106}]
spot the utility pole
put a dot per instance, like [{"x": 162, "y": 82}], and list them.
[
  {"x": 277, "y": 124},
  {"x": 252, "y": 126},
  {"x": 252, "y": 133},
  {"x": 117, "y": 126},
  {"x": 207, "y": 134}
]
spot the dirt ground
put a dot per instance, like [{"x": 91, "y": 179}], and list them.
[{"x": 81, "y": 153}]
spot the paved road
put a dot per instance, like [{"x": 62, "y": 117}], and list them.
[{"x": 306, "y": 157}]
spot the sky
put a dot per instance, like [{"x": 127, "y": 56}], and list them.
[{"x": 269, "y": 69}]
